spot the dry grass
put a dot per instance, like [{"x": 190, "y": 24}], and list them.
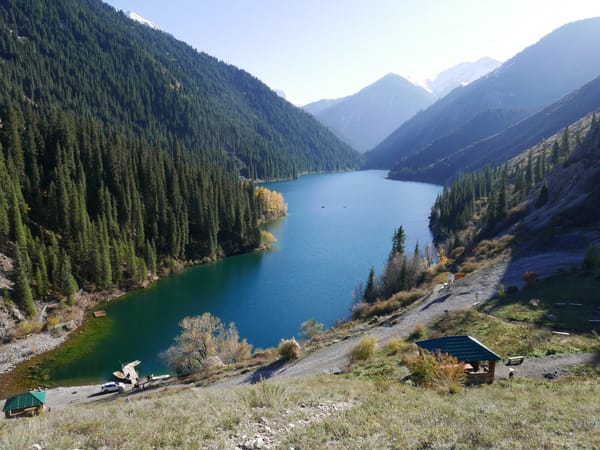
[
  {"x": 396, "y": 302},
  {"x": 327, "y": 412},
  {"x": 510, "y": 338}
]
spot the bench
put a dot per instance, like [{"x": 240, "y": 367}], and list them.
[{"x": 515, "y": 360}]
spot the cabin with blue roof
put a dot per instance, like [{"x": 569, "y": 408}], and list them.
[{"x": 479, "y": 360}]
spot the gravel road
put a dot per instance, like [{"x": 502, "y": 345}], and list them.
[
  {"x": 459, "y": 295},
  {"x": 476, "y": 287}
]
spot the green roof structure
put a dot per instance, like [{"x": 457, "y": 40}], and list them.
[
  {"x": 464, "y": 348},
  {"x": 34, "y": 398}
]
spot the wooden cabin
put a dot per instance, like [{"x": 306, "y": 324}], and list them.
[
  {"x": 29, "y": 404},
  {"x": 480, "y": 361}
]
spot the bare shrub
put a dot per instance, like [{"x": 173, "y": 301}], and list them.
[
  {"x": 418, "y": 331},
  {"x": 310, "y": 328},
  {"x": 202, "y": 338},
  {"x": 365, "y": 349},
  {"x": 288, "y": 349},
  {"x": 360, "y": 310}
]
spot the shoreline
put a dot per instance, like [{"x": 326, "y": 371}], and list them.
[{"x": 23, "y": 349}]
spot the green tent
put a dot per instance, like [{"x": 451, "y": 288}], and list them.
[{"x": 22, "y": 401}]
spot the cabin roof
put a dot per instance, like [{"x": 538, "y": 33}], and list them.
[
  {"x": 34, "y": 398},
  {"x": 464, "y": 348}
]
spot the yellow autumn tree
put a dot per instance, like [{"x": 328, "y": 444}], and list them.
[{"x": 271, "y": 204}]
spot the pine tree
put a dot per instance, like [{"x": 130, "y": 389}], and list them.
[
  {"x": 398, "y": 242},
  {"x": 370, "y": 294},
  {"x": 23, "y": 294},
  {"x": 542, "y": 197},
  {"x": 555, "y": 153},
  {"x": 564, "y": 145},
  {"x": 67, "y": 280}
]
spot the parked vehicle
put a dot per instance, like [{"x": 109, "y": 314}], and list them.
[{"x": 112, "y": 386}]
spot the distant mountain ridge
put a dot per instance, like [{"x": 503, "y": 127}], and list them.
[
  {"x": 507, "y": 144},
  {"x": 461, "y": 75},
  {"x": 365, "y": 118},
  {"x": 534, "y": 78}
]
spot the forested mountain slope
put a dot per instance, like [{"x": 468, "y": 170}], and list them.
[
  {"x": 432, "y": 165},
  {"x": 83, "y": 56},
  {"x": 121, "y": 151},
  {"x": 556, "y": 65},
  {"x": 549, "y": 190}
]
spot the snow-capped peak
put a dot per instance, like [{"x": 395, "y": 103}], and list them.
[
  {"x": 137, "y": 18},
  {"x": 419, "y": 83}
]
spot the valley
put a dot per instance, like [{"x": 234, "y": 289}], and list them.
[{"x": 411, "y": 265}]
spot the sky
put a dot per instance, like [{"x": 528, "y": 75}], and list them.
[{"x": 316, "y": 49}]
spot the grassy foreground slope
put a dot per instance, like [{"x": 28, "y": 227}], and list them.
[{"x": 328, "y": 412}]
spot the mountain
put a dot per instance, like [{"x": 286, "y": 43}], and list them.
[
  {"x": 321, "y": 105},
  {"x": 461, "y": 75},
  {"x": 573, "y": 192},
  {"x": 123, "y": 152},
  {"x": 365, "y": 118},
  {"x": 85, "y": 57},
  {"x": 534, "y": 78},
  {"x": 137, "y": 18},
  {"x": 431, "y": 165}
]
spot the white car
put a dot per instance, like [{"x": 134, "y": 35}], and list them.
[{"x": 112, "y": 386}]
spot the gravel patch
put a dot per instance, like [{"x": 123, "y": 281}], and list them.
[{"x": 20, "y": 350}]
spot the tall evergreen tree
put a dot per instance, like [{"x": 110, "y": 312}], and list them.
[
  {"x": 398, "y": 240},
  {"x": 23, "y": 294},
  {"x": 370, "y": 294}
]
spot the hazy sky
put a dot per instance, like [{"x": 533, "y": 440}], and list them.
[{"x": 314, "y": 49}]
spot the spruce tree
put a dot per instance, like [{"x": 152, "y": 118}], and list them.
[
  {"x": 542, "y": 197},
  {"x": 23, "y": 294},
  {"x": 370, "y": 294},
  {"x": 398, "y": 241}
]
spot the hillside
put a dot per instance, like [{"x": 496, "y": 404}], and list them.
[
  {"x": 364, "y": 119},
  {"x": 360, "y": 403},
  {"x": 573, "y": 192},
  {"x": 435, "y": 165},
  {"x": 84, "y": 57},
  {"x": 534, "y": 78},
  {"x": 121, "y": 155}
]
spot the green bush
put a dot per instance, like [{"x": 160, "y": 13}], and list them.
[{"x": 365, "y": 349}]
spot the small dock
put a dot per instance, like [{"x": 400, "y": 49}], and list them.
[
  {"x": 99, "y": 313},
  {"x": 128, "y": 372}
]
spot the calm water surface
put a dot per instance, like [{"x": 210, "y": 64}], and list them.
[{"x": 338, "y": 226}]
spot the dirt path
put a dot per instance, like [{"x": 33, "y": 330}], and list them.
[{"x": 476, "y": 287}]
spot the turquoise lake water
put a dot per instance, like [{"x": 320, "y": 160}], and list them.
[{"x": 338, "y": 226}]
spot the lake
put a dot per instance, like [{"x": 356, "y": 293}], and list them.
[{"x": 338, "y": 226}]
